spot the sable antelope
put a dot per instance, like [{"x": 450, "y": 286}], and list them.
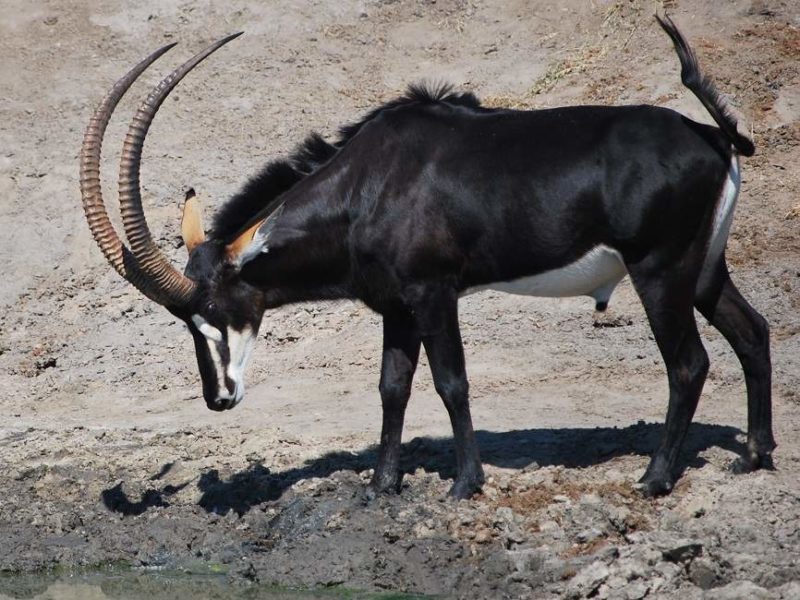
[{"x": 432, "y": 196}]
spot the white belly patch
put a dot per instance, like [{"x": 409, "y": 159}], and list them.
[{"x": 594, "y": 274}]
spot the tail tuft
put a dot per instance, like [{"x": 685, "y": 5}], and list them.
[{"x": 705, "y": 90}]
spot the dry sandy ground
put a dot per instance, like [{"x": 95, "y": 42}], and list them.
[{"x": 107, "y": 452}]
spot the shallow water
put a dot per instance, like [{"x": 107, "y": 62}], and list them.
[{"x": 127, "y": 585}]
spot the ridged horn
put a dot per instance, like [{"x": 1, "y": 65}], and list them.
[
  {"x": 91, "y": 193},
  {"x": 175, "y": 285}
]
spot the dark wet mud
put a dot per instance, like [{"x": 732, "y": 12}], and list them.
[{"x": 124, "y": 584}]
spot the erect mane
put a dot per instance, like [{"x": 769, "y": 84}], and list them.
[
  {"x": 416, "y": 93},
  {"x": 260, "y": 194}
]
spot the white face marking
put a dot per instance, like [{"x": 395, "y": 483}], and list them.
[
  {"x": 206, "y": 328},
  {"x": 594, "y": 274},
  {"x": 213, "y": 337},
  {"x": 240, "y": 346}
]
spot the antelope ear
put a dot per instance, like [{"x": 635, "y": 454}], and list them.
[
  {"x": 253, "y": 241},
  {"x": 192, "y": 222}
]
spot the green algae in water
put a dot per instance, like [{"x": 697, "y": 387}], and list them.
[{"x": 162, "y": 585}]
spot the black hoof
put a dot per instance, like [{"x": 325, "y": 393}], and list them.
[
  {"x": 369, "y": 495},
  {"x": 464, "y": 489},
  {"x": 753, "y": 462},
  {"x": 651, "y": 486},
  {"x": 383, "y": 485}
]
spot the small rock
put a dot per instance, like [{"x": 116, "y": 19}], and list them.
[
  {"x": 608, "y": 554},
  {"x": 587, "y": 581},
  {"x": 549, "y": 526},
  {"x": 588, "y": 535},
  {"x": 530, "y": 468},
  {"x": 683, "y": 553},
  {"x": 739, "y": 590},
  {"x": 669, "y": 571},
  {"x": 483, "y": 536},
  {"x": 591, "y": 499},
  {"x": 652, "y": 556},
  {"x": 618, "y": 517},
  {"x": 636, "y": 590},
  {"x": 504, "y": 515},
  {"x": 422, "y": 530},
  {"x": 514, "y": 535},
  {"x": 656, "y": 583},
  {"x": 615, "y": 582},
  {"x": 703, "y": 573},
  {"x": 391, "y": 535},
  {"x": 529, "y": 560},
  {"x": 635, "y": 537},
  {"x": 631, "y": 569}
]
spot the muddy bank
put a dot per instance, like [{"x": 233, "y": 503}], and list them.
[
  {"x": 123, "y": 584},
  {"x": 554, "y": 523}
]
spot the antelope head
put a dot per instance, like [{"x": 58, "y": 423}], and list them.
[{"x": 222, "y": 312}]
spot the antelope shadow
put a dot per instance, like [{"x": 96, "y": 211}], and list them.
[{"x": 567, "y": 447}]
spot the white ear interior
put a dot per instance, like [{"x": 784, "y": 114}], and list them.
[{"x": 259, "y": 244}]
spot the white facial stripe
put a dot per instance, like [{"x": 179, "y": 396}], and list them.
[
  {"x": 240, "y": 345},
  {"x": 213, "y": 337},
  {"x": 222, "y": 390},
  {"x": 206, "y": 328}
]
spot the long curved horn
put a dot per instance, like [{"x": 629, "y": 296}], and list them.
[
  {"x": 91, "y": 193},
  {"x": 176, "y": 286}
]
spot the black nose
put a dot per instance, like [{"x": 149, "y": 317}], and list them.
[
  {"x": 220, "y": 404},
  {"x": 216, "y": 405}
]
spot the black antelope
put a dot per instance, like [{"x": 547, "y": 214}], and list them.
[{"x": 432, "y": 196}]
